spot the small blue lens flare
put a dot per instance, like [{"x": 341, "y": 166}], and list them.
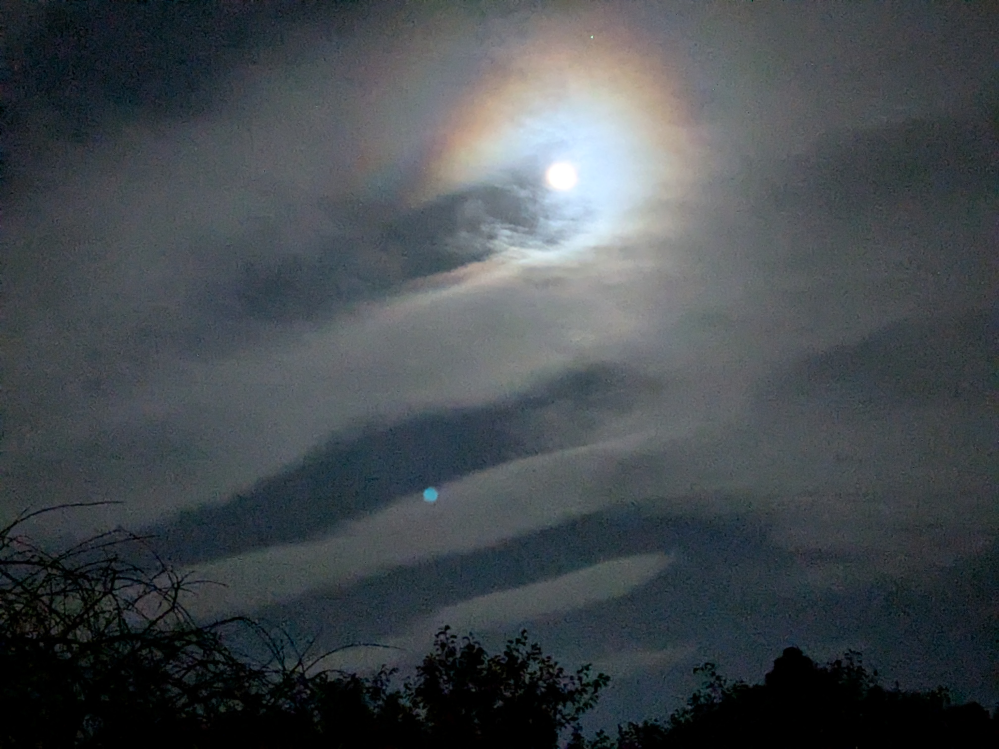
[{"x": 430, "y": 494}]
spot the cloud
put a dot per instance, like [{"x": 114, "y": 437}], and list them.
[
  {"x": 258, "y": 410},
  {"x": 550, "y": 597},
  {"x": 228, "y": 287},
  {"x": 478, "y": 511},
  {"x": 244, "y": 292},
  {"x": 360, "y": 471},
  {"x": 943, "y": 361},
  {"x": 921, "y": 164},
  {"x": 888, "y": 494},
  {"x": 513, "y": 607}
]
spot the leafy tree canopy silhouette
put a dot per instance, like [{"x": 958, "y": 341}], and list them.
[
  {"x": 520, "y": 697},
  {"x": 801, "y": 703}
]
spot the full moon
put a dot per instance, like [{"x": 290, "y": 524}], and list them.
[{"x": 561, "y": 176}]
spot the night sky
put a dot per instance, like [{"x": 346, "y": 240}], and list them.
[{"x": 272, "y": 270}]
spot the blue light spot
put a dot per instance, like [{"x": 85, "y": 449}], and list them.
[{"x": 430, "y": 494}]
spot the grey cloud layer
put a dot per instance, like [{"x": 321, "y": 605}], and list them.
[{"x": 210, "y": 318}]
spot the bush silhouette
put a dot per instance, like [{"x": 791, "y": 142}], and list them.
[{"x": 97, "y": 650}]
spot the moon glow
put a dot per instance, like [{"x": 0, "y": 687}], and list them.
[
  {"x": 561, "y": 176},
  {"x": 588, "y": 132}
]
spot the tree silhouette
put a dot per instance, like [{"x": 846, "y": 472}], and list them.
[
  {"x": 803, "y": 704},
  {"x": 519, "y": 698}
]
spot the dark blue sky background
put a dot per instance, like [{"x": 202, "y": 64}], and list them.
[{"x": 245, "y": 295}]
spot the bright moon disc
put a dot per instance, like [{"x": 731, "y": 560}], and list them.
[{"x": 561, "y": 176}]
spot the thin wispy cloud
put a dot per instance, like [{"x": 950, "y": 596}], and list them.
[{"x": 521, "y": 606}]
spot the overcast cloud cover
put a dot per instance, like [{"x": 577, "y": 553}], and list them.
[{"x": 270, "y": 270}]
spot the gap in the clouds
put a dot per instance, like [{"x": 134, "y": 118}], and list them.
[{"x": 158, "y": 60}]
